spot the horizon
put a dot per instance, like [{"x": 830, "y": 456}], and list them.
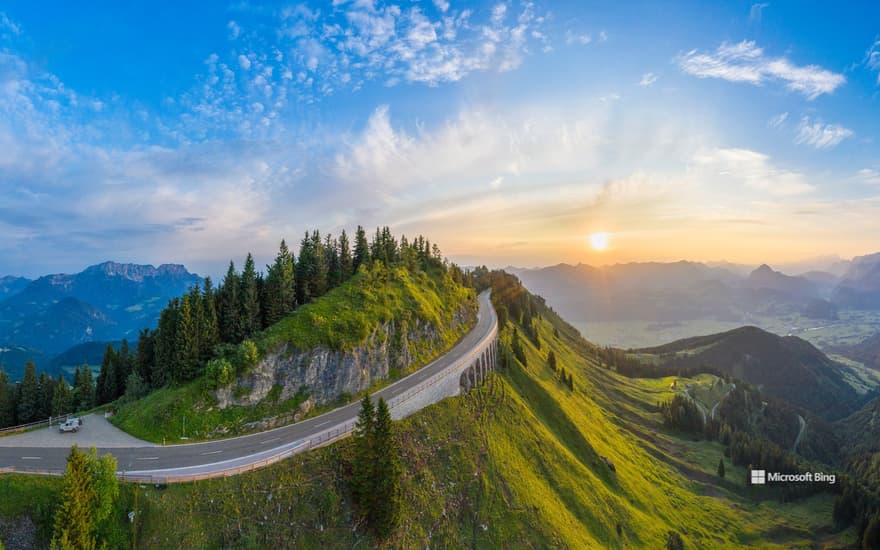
[{"x": 510, "y": 133}]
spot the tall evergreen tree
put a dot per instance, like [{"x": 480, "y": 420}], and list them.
[
  {"x": 387, "y": 473},
  {"x": 249, "y": 299},
  {"x": 364, "y": 456},
  {"x": 75, "y": 518},
  {"x": 145, "y": 359},
  {"x": 280, "y": 286},
  {"x": 62, "y": 398},
  {"x": 211, "y": 327},
  {"x": 7, "y": 401},
  {"x": 361, "y": 250},
  {"x": 345, "y": 260},
  {"x": 228, "y": 307},
  {"x": 28, "y": 395},
  {"x": 105, "y": 387},
  {"x": 187, "y": 352},
  {"x": 334, "y": 269},
  {"x": 84, "y": 392},
  {"x": 721, "y": 467},
  {"x": 124, "y": 366},
  {"x": 47, "y": 391},
  {"x": 321, "y": 276},
  {"x": 165, "y": 345}
]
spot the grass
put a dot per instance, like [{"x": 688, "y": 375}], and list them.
[
  {"x": 364, "y": 307},
  {"x": 516, "y": 463}
]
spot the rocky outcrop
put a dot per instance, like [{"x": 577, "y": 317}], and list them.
[{"x": 394, "y": 346}]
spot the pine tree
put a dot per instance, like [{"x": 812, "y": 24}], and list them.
[
  {"x": 364, "y": 456},
  {"x": 320, "y": 280},
  {"x": 211, "y": 327},
  {"x": 387, "y": 472},
  {"x": 551, "y": 360},
  {"x": 345, "y": 260},
  {"x": 124, "y": 366},
  {"x": 47, "y": 391},
  {"x": 186, "y": 352},
  {"x": 165, "y": 345},
  {"x": 228, "y": 307},
  {"x": 280, "y": 286},
  {"x": 105, "y": 388},
  {"x": 62, "y": 397},
  {"x": 361, "y": 250},
  {"x": 29, "y": 395},
  {"x": 249, "y": 298},
  {"x": 7, "y": 401},
  {"x": 334, "y": 270},
  {"x": 721, "y": 467},
  {"x": 75, "y": 518},
  {"x": 145, "y": 359},
  {"x": 84, "y": 391}
]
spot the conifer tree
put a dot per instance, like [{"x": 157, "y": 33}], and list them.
[
  {"x": 249, "y": 298},
  {"x": 331, "y": 254},
  {"x": 7, "y": 402},
  {"x": 145, "y": 356},
  {"x": 124, "y": 366},
  {"x": 387, "y": 471},
  {"x": 228, "y": 307},
  {"x": 62, "y": 397},
  {"x": 75, "y": 518},
  {"x": 105, "y": 387},
  {"x": 721, "y": 467},
  {"x": 29, "y": 395},
  {"x": 186, "y": 352},
  {"x": 345, "y": 260},
  {"x": 361, "y": 250},
  {"x": 280, "y": 286},
  {"x": 85, "y": 390},
  {"x": 47, "y": 391},
  {"x": 211, "y": 327},
  {"x": 321, "y": 275},
  {"x": 165, "y": 345},
  {"x": 364, "y": 455},
  {"x": 551, "y": 360}
]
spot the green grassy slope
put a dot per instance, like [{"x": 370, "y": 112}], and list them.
[
  {"x": 339, "y": 320},
  {"x": 517, "y": 463}
]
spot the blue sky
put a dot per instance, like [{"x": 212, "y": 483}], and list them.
[{"x": 506, "y": 131}]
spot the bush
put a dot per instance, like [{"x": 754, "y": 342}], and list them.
[
  {"x": 219, "y": 373},
  {"x": 248, "y": 355}
]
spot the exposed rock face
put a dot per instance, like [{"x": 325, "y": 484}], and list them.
[{"x": 327, "y": 374}]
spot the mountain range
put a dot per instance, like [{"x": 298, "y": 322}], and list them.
[
  {"x": 685, "y": 290},
  {"x": 108, "y": 301}
]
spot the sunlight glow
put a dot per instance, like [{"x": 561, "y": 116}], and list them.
[{"x": 599, "y": 241}]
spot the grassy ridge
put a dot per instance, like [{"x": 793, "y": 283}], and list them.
[
  {"x": 516, "y": 463},
  {"x": 339, "y": 320}
]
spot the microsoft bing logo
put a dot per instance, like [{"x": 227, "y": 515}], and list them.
[{"x": 759, "y": 477}]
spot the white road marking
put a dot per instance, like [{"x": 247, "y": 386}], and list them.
[
  {"x": 32, "y": 458},
  {"x": 321, "y": 424},
  {"x": 147, "y": 458},
  {"x": 269, "y": 440},
  {"x": 211, "y": 452}
]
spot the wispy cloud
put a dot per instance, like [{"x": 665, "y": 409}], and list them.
[
  {"x": 648, "y": 79},
  {"x": 872, "y": 58},
  {"x": 8, "y": 27},
  {"x": 746, "y": 62},
  {"x": 577, "y": 38},
  {"x": 869, "y": 175},
  {"x": 778, "y": 121},
  {"x": 756, "y": 11},
  {"x": 819, "y": 135},
  {"x": 752, "y": 169}
]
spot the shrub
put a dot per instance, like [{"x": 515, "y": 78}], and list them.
[{"x": 219, "y": 373}]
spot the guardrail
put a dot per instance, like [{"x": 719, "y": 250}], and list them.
[
  {"x": 37, "y": 424},
  {"x": 323, "y": 438}
]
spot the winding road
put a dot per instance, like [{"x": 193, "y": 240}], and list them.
[{"x": 148, "y": 462}]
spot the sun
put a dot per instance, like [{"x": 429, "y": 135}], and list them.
[{"x": 599, "y": 241}]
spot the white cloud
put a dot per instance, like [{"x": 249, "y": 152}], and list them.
[
  {"x": 819, "y": 135},
  {"x": 234, "y": 30},
  {"x": 755, "y": 12},
  {"x": 745, "y": 62},
  {"x": 8, "y": 26},
  {"x": 778, "y": 120},
  {"x": 603, "y": 36},
  {"x": 244, "y": 62},
  {"x": 750, "y": 168},
  {"x": 869, "y": 175},
  {"x": 872, "y": 58},
  {"x": 442, "y": 5},
  {"x": 648, "y": 79},
  {"x": 572, "y": 38}
]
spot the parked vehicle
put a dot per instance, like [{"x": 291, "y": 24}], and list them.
[{"x": 71, "y": 425}]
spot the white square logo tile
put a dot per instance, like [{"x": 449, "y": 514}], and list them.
[{"x": 759, "y": 477}]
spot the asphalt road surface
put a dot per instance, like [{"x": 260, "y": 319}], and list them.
[{"x": 202, "y": 458}]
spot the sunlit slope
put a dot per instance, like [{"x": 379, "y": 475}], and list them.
[{"x": 517, "y": 463}]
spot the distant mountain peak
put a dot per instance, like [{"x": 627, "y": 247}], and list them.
[{"x": 137, "y": 272}]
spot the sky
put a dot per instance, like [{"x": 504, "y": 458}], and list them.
[{"x": 507, "y": 132}]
